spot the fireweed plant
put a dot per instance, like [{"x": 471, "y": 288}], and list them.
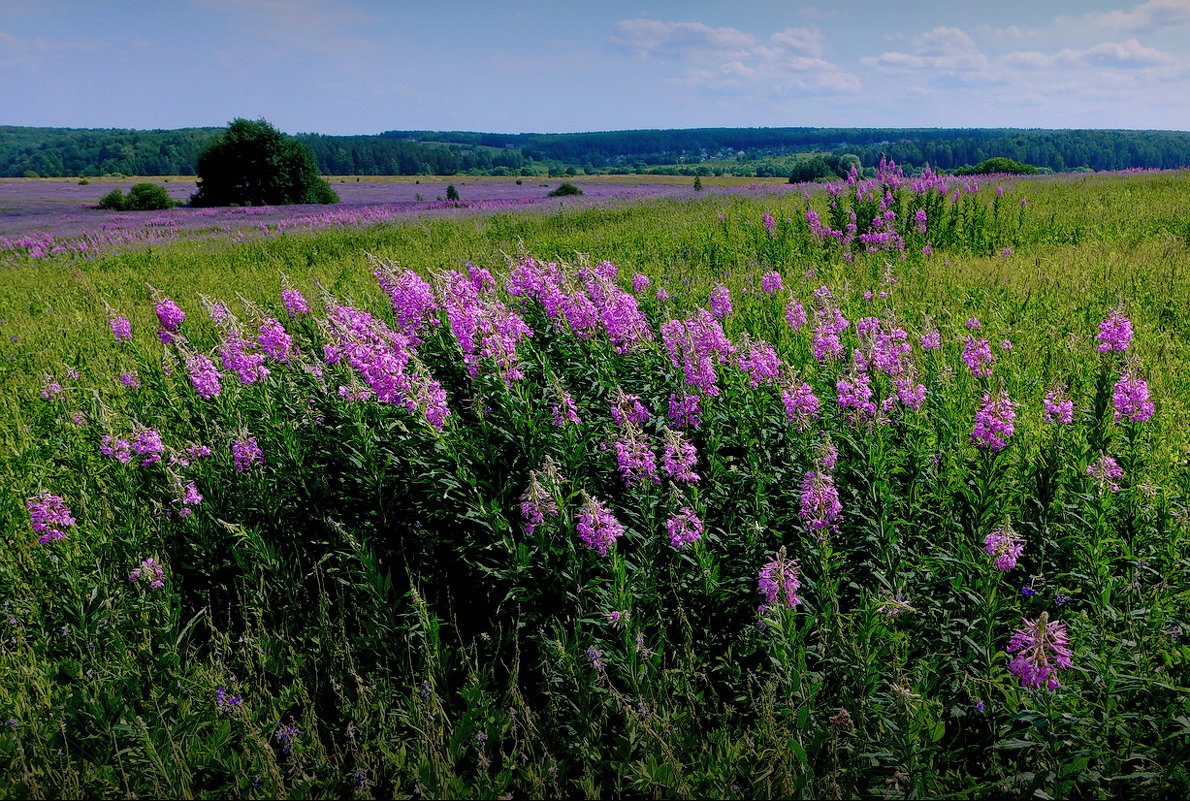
[{"x": 550, "y": 526}]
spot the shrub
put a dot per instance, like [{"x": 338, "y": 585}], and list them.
[
  {"x": 113, "y": 201},
  {"x": 566, "y": 189},
  {"x": 998, "y": 164},
  {"x": 451, "y": 192},
  {"x": 148, "y": 197},
  {"x": 254, "y": 164}
]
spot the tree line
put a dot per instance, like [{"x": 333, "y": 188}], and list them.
[{"x": 56, "y": 152}]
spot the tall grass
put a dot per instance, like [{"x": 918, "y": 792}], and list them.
[{"x": 450, "y": 545}]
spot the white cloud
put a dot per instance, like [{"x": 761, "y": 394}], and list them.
[
  {"x": 731, "y": 60},
  {"x": 1149, "y": 17},
  {"x": 1130, "y": 54},
  {"x": 941, "y": 49}
]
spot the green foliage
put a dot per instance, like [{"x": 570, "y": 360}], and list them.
[
  {"x": 998, "y": 164},
  {"x": 148, "y": 197},
  {"x": 371, "y": 598},
  {"x": 697, "y": 183},
  {"x": 809, "y": 168},
  {"x": 254, "y": 164},
  {"x": 113, "y": 201},
  {"x": 451, "y": 192},
  {"x": 565, "y": 190}
]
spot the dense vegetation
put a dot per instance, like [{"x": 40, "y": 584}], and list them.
[
  {"x": 879, "y": 493},
  {"x": 706, "y": 151},
  {"x": 140, "y": 197},
  {"x": 254, "y": 164}
]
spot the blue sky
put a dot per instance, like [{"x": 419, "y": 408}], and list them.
[{"x": 364, "y": 66}]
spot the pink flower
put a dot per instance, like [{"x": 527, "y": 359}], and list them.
[
  {"x": 1042, "y": 649},
  {"x": 597, "y": 527},
  {"x": 684, "y": 528},
  {"x": 1005, "y": 545}
]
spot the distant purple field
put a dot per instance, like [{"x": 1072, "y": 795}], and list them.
[{"x": 42, "y": 218}]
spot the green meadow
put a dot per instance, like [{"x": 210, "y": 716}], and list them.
[{"x": 424, "y": 578}]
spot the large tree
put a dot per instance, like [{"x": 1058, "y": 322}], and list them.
[{"x": 254, "y": 164}]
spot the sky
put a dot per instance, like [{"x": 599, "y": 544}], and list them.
[{"x": 509, "y": 66}]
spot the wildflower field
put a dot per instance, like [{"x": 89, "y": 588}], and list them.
[{"x": 880, "y": 491}]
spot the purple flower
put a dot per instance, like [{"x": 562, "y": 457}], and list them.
[
  {"x": 121, "y": 328},
  {"x": 829, "y": 323},
  {"x": 640, "y": 282},
  {"x": 223, "y": 701},
  {"x": 597, "y": 527},
  {"x": 246, "y": 453},
  {"x": 52, "y": 390},
  {"x": 760, "y": 362},
  {"x": 820, "y": 505},
  {"x": 48, "y": 515},
  {"x": 1104, "y": 471},
  {"x": 1028, "y": 591},
  {"x": 977, "y": 355},
  {"x": 685, "y": 410},
  {"x": 218, "y": 312},
  {"x": 1005, "y": 544},
  {"x": 1042, "y": 649},
  {"x": 187, "y": 497},
  {"x": 854, "y": 394},
  {"x": 237, "y": 357},
  {"x": 1058, "y": 407},
  {"x": 129, "y": 379},
  {"x": 801, "y": 404},
  {"x": 295, "y": 304},
  {"x": 169, "y": 315},
  {"x": 564, "y": 410},
  {"x": 911, "y": 394},
  {"x": 636, "y": 460},
  {"x": 151, "y": 572},
  {"x": 931, "y": 340},
  {"x": 695, "y": 346},
  {"x": 274, "y": 341},
  {"x": 627, "y": 409},
  {"x": 994, "y": 422},
  {"x": 1130, "y": 399},
  {"x": 795, "y": 315},
  {"x": 148, "y": 444},
  {"x": 779, "y": 581},
  {"x": 721, "y": 302},
  {"x": 383, "y": 358},
  {"x": 119, "y": 449},
  {"x": 203, "y": 376},
  {"x": 678, "y": 457},
  {"x": 771, "y": 283},
  {"x": 1115, "y": 333},
  {"x": 684, "y": 528},
  {"x": 411, "y": 296},
  {"x": 769, "y": 222},
  {"x": 537, "y": 502},
  {"x": 286, "y": 736},
  {"x": 973, "y": 324}
]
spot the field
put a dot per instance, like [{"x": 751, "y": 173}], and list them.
[{"x": 872, "y": 490}]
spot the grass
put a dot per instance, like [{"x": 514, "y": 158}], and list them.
[{"x": 366, "y": 613}]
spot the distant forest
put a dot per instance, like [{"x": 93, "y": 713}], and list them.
[{"x": 54, "y": 152}]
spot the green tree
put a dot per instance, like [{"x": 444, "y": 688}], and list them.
[
  {"x": 148, "y": 197},
  {"x": 451, "y": 192},
  {"x": 113, "y": 201},
  {"x": 254, "y": 164}
]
